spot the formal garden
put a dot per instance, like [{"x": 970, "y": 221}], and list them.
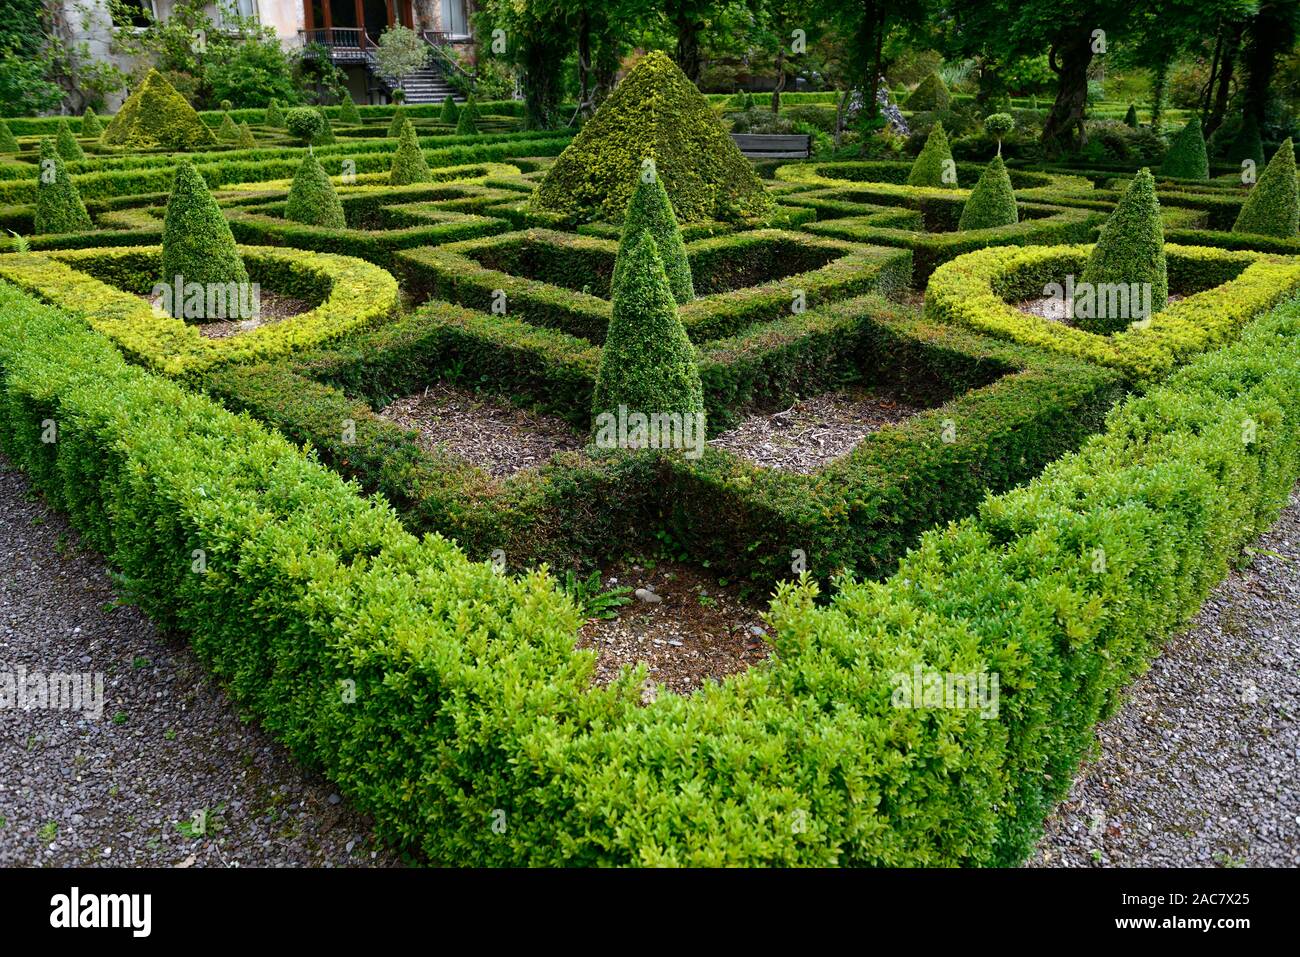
[{"x": 595, "y": 494}]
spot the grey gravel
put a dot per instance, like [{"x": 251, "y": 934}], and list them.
[
  {"x": 124, "y": 790},
  {"x": 1199, "y": 766}
]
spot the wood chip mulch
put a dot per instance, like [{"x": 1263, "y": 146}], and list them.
[
  {"x": 498, "y": 437},
  {"x": 273, "y": 308},
  {"x": 815, "y": 431}
]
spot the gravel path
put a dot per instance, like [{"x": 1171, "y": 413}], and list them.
[
  {"x": 126, "y": 789},
  {"x": 1201, "y": 766}
]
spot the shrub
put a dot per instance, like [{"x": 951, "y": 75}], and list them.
[
  {"x": 651, "y": 210},
  {"x": 1187, "y": 158},
  {"x": 90, "y": 125},
  {"x": 157, "y": 117},
  {"x": 226, "y": 106},
  {"x": 326, "y": 135},
  {"x": 274, "y": 114},
  {"x": 197, "y": 244},
  {"x": 930, "y": 94},
  {"x": 348, "y": 112},
  {"x": 227, "y": 131},
  {"x": 1130, "y": 249},
  {"x": 305, "y": 124},
  {"x": 409, "y": 165},
  {"x": 1131, "y": 117},
  {"x": 465, "y": 125},
  {"x": 66, "y": 144},
  {"x": 8, "y": 142},
  {"x": 648, "y": 364},
  {"x": 1273, "y": 208},
  {"x": 1247, "y": 144},
  {"x": 655, "y": 114},
  {"x": 992, "y": 202},
  {"x": 312, "y": 199},
  {"x": 245, "y": 139},
  {"x": 399, "y": 117},
  {"x": 934, "y": 162},
  {"x": 471, "y": 107},
  {"x": 450, "y": 111},
  {"x": 999, "y": 126},
  {"x": 255, "y": 71},
  {"x": 59, "y": 208}
]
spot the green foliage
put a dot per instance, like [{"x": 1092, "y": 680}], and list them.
[
  {"x": 326, "y": 135},
  {"x": 348, "y": 112},
  {"x": 305, "y": 124},
  {"x": 399, "y": 118},
  {"x": 227, "y": 131},
  {"x": 999, "y": 126},
  {"x": 450, "y": 112},
  {"x": 197, "y": 244},
  {"x": 67, "y": 145},
  {"x": 1187, "y": 158},
  {"x": 465, "y": 125},
  {"x": 930, "y": 94},
  {"x": 312, "y": 199},
  {"x": 1130, "y": 250},
  {"x": 155, "y": 116},
  {"x": 656, "y": 114},
  {"x": 1273, "y": 207},
  {"x": 651, "y": 210},
  {"x": 90, "y": 125},
  {"x": 274, "y": 114},
  {"x": 471, "y": 107},
  {"x": 648, "y": 364},
  {"x": 1131, "y": 117},
  {"x": 409, "y": 165},
  {"x": 1247, "y": 144},
  {"x": 992, "y": 202},
  {"x": 400, "y": 52},
  {"x": 245, "y": 140},
  {"x": 59, "y": 208},
  {"x": 8, "y": 142},
  {"x": 934, "y": 162}
]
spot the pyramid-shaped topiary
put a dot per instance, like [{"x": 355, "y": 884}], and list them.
[
  {"x": 1247, "y": 144},
  {"x": 656, "y": 115},
  {"x": 934, "y": 162},
  {"x": 157, "y": 117},
  {"x": 1273, "y": 206},
  {"x": 312, "y": 199},
  {"x": 8, "y": 142},
  {"x": 67, "y": 145},
  {"x": 450, "y": 111},
  {"x": 348, "y": 112},
  {"x": 648, "y": 364},
  {"x": 326, "y": 136},
  {"x": 1130, "y": 253},
  {"x": 465, "y": 125},
  {"x": 227, "y": 131},
  {"x": 1131, "y": 117},
  {"x": 471, "y": 107},
  {"x": 90, "y": 125},
  {"x": 197, "y": 245},
  {"x": 652, "y": 211},
  {"x": 274, "y": 115},
  {"x": 244, "y": 140},
  {"x": 1187, "y": 158},
  {"x": 930, "y": 94},
  {"x": 399, "y": 117},
  {"x": 992, "y": 202},
  {"x": 59, "y": 208},
  {"x": 409, "y": 165}
]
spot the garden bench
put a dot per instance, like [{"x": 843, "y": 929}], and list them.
[{"x": 772, "y": 145}]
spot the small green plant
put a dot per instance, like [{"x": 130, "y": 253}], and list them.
[
  {"x": 139, "y": 661},
  {"x": 119, "y": 717},
  {"x": 170, "y": 734},
  {"x": 592, "y": 598},
  {"x": 48, "y": 832},
  {"x": 21, "y": 244},
  {"x": 999, "y": 126}
]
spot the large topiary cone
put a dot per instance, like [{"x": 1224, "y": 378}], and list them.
[
  {"x": 930, "y": 94},
  {"x": 1129, "y": 252},
  {"x": 1187, "y": 158},
  {"x": 648, "y": 363},
  {"x": 197, "y": 244},
  {"x": 157, "y": 117},
  {"x": 655, "y": 114},
  {"x": 992, "y": 202},
  {"x": 652, "y": 211},
  {"x": 59, "y": 208},
  {"x": 935, "y": 158},
  {"x": 312, "y": 199},
  {"x": 67, "y": 145},
  {"x": 409, "y": 165},
  {"x": 1273, "y": 207}
]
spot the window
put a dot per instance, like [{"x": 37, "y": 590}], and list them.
[
  {"x": 454, "y": 19},
  {"x": 134, "y": 13},
  {"x": 232, "y": 11}
]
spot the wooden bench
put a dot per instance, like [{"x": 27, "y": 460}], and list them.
[{"x": 773, "y": 145}]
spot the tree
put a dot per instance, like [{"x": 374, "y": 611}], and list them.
[
  {"x": 538, "y": 35},
  {"x": 401, "y": 52}
]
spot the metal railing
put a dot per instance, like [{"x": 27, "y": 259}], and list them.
[{"x": 344, "y": 43}]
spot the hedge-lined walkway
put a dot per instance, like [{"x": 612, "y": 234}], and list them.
[
  {"x": 80, "y": 792},
  {"x": 1199, "y": 767}
]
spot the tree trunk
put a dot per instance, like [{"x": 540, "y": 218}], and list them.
[
  {"x": 1220, "y": 108},
  {"x": 542, "y": 89},
  {"x": 1063, "y": 131},
  {"x": 688, "y": 46},
  {"x": 584, "y": 62},
  {"x": 1210, "y": 83},
  {"x": 605, "y": 68},
  {"x": 780, "y": 80},
  {"x": 1159, "y": 84},
  {"x": 1269, "y": 33}
]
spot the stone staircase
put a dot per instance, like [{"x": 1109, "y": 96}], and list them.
[{"x": 427, "y": 85}]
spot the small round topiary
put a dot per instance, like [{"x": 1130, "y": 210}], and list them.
[
  {"x": 1130, "y": 252},
  {"x": 67, "y": 145},
  {"x": 1273, "y": 208},
  {"x": 992, "y": 202},
  {"x": 935, "y": 166},
  {"x": 1187, "y": 158},
  {"x": 409, "y": 165},
  {"x": 197, "y": 245},
  {"x": 59, "y": 208},
  {"x": 90, "y": 125},
  {"x": 8, "y": 142},
  {"x": 348, "y": 112},
  {"x": 998, "y": 126},
  {"x": 227, "y": 106},
  {"x": 274, "y": 115},
  {"x": 399, "y": 117},
  {"x": 304, "y": 124},
  {"x": 930, "y": 94},
  {"x": 648, "y": 364},
  {"x": 1131, "y": 117},
  {"x": 245, "y": 139},
  {"x": 227, "y": 132},
  {"x": 450, "y": 111},
  {"x": 312, "y": 199},
  {"x": 465, "y": 125},
  {"x": 651, "y": 210}
]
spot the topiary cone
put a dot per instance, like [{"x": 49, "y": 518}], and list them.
[
  {"x": 348, "y": 112},
  {"x": 274, "y": 114},
  {"x": 409, "y": 165},
  {"x": 8, "y": 142},
  {"x": 227, "y": 131},
  {"x": 992, "y": 202},
  {"x": 930, "y": 94},
  {"x": 1131, "y": 117},
  {"x": 1187, "y": 157},
  {"x": 935, "y": 159},
  {"x": 648, "y": 364},
  {"x": 197, "y": 244},
  {"x": 1273, "y": 207},
  {"x": 399, "y": 117},
  {"x": 1129, "y": 252},
  {"x": 312, "y": 199},
  {"x": 652, "y": 211},
  {"x": 156, "y": 116},
  {"x": 67, "y": 145},
  {"x": 59, "y": 208},
  {"x": 90, "y": 125},
  {"x": 466, "y": 125},
  {"x": 450, "y": 111}
]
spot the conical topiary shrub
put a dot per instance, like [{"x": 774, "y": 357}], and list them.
[
  {"x": 244, "y": 140},
  {"x": 399, "y": 117},
  {"x": 90, "y": 125},
  {"x": 326, "y": 136},
  {"x": 992, "y": 202},
  {"x": 1131, "y": 117},
  {"x": 1247, "y": 144},
  {"x": 1131, "y": 253},
  {"x": 67, "y": 145},
  {"x": 155, "y": 116},
  {"x": 934, "y": 161},
  {"x": 348, "y": 112},
  {"x": 652, "y": 211},
  {"x": 312, "y": 199},
  {"x": 930, "y": 94},
  {"x": 197, "y": 245},
  {"x": 59, "y": 208},
  {"x": 227, "y": 131},
  {"x": 656, "y": 114},
  {"x": 450, "y": 111},
  {"x": 648, "y": 364},
  {"x": 1187, "y": 158},
  {"x": 409, "y": 165},
  {"x": 1273, "y": 206},
  {"x": 274, "y": 115},
  {"x": 471, "y": 107},
  {"x": 8, "y": 142},
  {"x": 465, "y": 125}
]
